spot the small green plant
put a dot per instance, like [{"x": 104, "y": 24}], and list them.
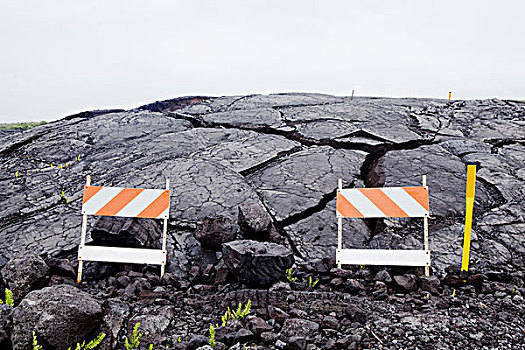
[
  {"x": 77, "y": 158},
  {"x": 150, "y": 347},
  {"x": 362, "y": 266},
  {"x": 454, "y": 293},
  {"x": 134, "y": 340},
  {"x": 241, "y": 314},
  {"x": 179, "y": 339},
  {"x": 227, "y": 315},
  {"x": 28, "y": 156},
  {"x": 9, "y": 300},
  {"x": 35, "y": 343},
  {"x": 312, "y": 283},
  {"x": 62, "y": 194},
  {"x": 17, "y": 174},
  {"x": 212, "y": 336},
  {"x": 92, "y": 344},
  {"x": 289, "y": 276}
]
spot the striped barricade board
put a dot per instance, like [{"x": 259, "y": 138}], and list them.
[
  {"x": 385, "y": 202},
  {"x": 128, "y": 202},
  {"x": 124, "y": 202},
  {"x": 388, "y": 202}
]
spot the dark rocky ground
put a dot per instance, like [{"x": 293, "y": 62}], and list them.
[{"x": 265, "y": 168}]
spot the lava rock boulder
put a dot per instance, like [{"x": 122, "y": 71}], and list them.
[
  {"x": 215, "y": 231},
  {"x": 254, "y": 221},
  {"x": 5, "y": 311},
  {"x": 24, "y": 273},
  {"x": 257, "y": 263},
  {"x": 59, "y": 315}
]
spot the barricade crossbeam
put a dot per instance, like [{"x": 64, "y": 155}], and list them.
[
  {"x": 385, "y": 202},
  {"x": 124, "y": 202}
]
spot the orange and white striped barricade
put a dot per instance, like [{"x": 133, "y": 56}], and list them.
[
  {"x": 126, "y": 202},
  {"x": 386, "y": 202}
]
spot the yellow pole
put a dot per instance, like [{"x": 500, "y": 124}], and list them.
[
  {"x": 449, "y": 95},
  {"x": 471, "y": 188}
]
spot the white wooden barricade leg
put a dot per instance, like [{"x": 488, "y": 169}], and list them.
[
  {"x": 164, "y": 234},
  {"x": 425, "y": 234},
  {"x": 83, "y": 237},
  {"x": 339, "y": 229}
]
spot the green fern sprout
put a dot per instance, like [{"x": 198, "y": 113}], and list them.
[
  {"x": 241, "y": 314},
  {"x": 212, "y": 336},
  {"x": 9, "y": 300},
  {"x": 62, "y": 194},
  {"x": 92, "y": 344},
  {"x": 150, "y": 347},
  {"x": 289, "y": 276},
  {"x": 17, "y": 174},
  {"x": 35, "y": 343},
  {"x": 134, "y": 340},
  {"x": 311, "y": 283},
  {"x": 28, "y": 156},
  {"x": 362, "y": 266},
  {"x": 67, "y": 200},
  {"x": 227, "y": 315},
  {"x": 179, "y": 339}
]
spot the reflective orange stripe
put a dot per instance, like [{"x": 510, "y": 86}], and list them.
[
  {"x": 157, "y": 206},
  {"x": 345, "y": 208},
  {"x": 383, "y": 202},
  {"x": 119, "y": 201},
  {"x": 420, "y": 194},
  {"x": 90, "y": 191}
]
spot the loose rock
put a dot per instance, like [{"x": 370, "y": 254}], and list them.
[
  {"x": 259, "y": 263},
  {"x": 24, "y": 273},
  {"x": 60, "y": 316}
]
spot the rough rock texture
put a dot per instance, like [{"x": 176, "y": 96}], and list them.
[
  {"x": 60, "y": 316},
  {"x": 5, "y": 311},
  {"x": 259, "y": 263},
  {"x": 215, "y": 231},
  {"x": 24, "y": 273},
  {"x": 254, "y": 221},
  {"x": 299, "y": 327},
  {"x": 126, "y": 232}
]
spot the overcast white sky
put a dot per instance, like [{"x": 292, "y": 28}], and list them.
[{"x": 59, "y": 57}]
